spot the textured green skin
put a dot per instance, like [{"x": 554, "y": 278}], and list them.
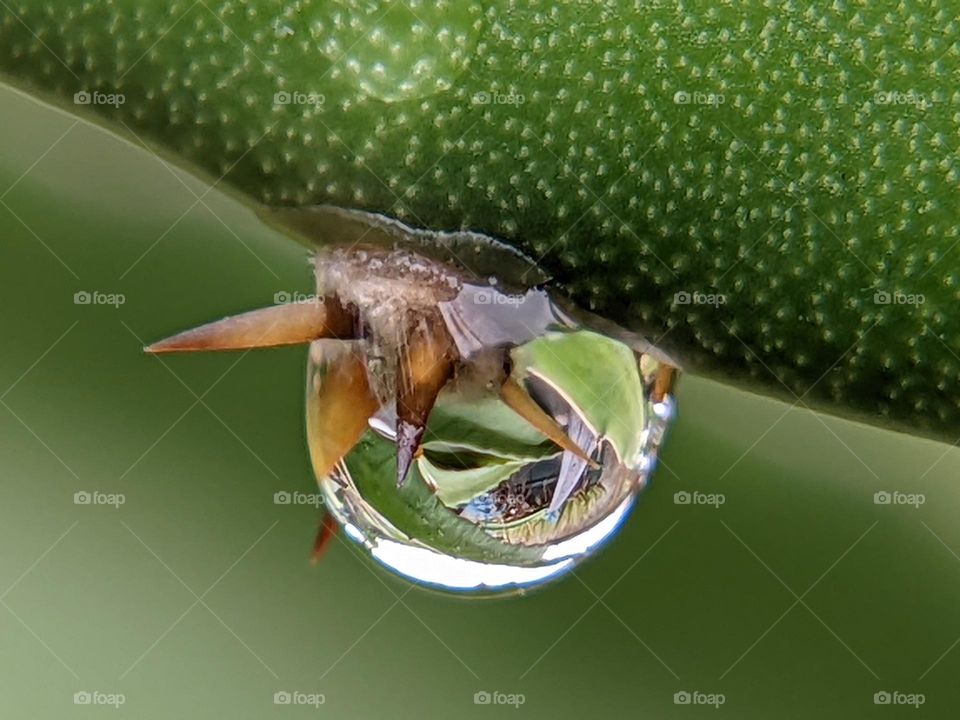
[{"x": 797, "y": 198}]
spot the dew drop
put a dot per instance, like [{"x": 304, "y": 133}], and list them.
[{"x": 535, "y": 432}]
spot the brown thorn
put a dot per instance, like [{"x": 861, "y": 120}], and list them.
[
  {"x": 663, "y": 383},
  {"x": 426, "y": 364},
  {"x": 519, "y": 400},
  {"x": 325, "y": 535},
  {"x": 338, "y": 410},
  {"x": 290, "y": 324}
]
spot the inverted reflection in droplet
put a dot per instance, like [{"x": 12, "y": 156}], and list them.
[{"x": 525, "y": 452}]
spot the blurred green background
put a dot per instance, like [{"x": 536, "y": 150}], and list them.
[{"x": 799, "y": 595}]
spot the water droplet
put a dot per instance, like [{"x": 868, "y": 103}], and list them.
[{"x": 531, "y": 432}]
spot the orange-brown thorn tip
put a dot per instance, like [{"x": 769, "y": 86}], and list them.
[
  {"x": 426, "y": 364},
  {"x": 663, "y": 383},
  {"x": 325, "y": 535},
  {"x": 519, "y": 400},
  {"x": 339, "y": 406},
  {"x": 291, "y": 324}
]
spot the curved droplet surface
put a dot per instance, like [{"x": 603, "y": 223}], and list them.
[{"x": 472, "y": 437}]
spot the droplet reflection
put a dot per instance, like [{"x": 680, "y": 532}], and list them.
[{"x": 523, "y": 438}]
